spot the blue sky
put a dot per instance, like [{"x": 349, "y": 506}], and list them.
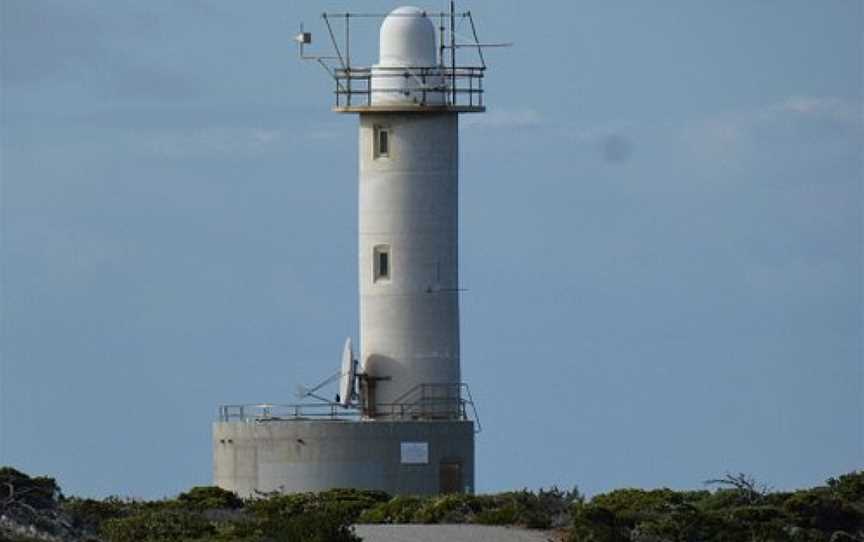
[{"x": 661, "y": 237}]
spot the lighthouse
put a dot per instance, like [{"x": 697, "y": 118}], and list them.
[
  {"x": 408, "y": 219},
  {"x": 403, "y": 420}
]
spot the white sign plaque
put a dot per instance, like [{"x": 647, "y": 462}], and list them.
[{"x": 415, "y": 453}]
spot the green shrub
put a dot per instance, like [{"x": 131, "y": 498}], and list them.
[
  {"x": 723, "y": 499},
  {"x": 630, "y": 506},
  {"x": 38, "y": 492},
  {"x": 504, "y": 515},
  {"x": 821, "y": 508},
  {"x": 242, "y": 530},
  {"x": 209, "y": 498},
  {"x": 90, "y": 514},
  {"x": 595, "y": 523},
  {"x": 848, "y": 486},
  {"x": 733, "y": 514},
  {"x": 317, "y": 526},
  {"x": 345, "y": 503},
  {"x": 557, "y": 504},
  {"x": 453, "y": 508},
  {"x": 158, "y": 526},
  {"x": 350, "y": 503},
  {"x": 401, "y": 509}
]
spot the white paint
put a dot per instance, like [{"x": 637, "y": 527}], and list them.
[
  {"x": 409, "y": 201},
  {"x": 407, "y": 38},
  {"x": 406, "y": 52},
  {"x": 346, "y": 379},
  {"x": 414, "y": 453}
]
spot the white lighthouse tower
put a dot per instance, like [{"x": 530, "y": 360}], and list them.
[
  {"x": 409, "y": 219},
  {"x": 403, "y": 420}
]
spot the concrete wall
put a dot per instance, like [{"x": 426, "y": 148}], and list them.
[
  {"x": 409, "y": 201},
  {"x": 302, "y": 455}
]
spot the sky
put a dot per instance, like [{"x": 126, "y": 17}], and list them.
[{"x": 660, "y": 225}]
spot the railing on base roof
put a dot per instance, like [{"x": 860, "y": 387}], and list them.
[{"x": 424, "y": 402}]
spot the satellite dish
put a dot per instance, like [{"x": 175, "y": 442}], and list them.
[{"x": 346, "y": 381}]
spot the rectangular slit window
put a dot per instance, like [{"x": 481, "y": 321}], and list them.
[
  {"x": 382, "y": 142},
  {"x": 382, "y": 262}
]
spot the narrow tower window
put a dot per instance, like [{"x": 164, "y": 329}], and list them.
[
  {"x": 381, "y": 258},
  {"x": 382, "y": 142}
]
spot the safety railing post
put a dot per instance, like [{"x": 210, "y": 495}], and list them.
[{"x": 348, "y": 87}]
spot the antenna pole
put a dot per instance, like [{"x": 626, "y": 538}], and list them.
[
  {"x": 452, "y": 52},
  {"x": 348, "y": 56},
  {"x": 347, "y": 41},
  {"x": 441, "y": 45},
  {"x": 300, "y": 42},
  {"x": 476, "y": 40},
  {"x": 333, "y": 40}
]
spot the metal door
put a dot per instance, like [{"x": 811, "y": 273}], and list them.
[{"x": 450, "y": 477}]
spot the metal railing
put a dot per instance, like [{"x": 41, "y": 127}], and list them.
[
  {"x": 422, "y": 403},
  {"x": 453, "y": 87},
  {"x": 264, "y": 412}
]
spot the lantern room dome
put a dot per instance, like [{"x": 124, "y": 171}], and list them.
[{"x": 407, "y": 39}]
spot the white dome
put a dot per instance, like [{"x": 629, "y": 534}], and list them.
[{"x": 407, "y": 39}]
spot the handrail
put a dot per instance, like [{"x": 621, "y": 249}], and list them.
[
  {"x": 444, "y": 401},
  {"x": 457, "y": 86}
]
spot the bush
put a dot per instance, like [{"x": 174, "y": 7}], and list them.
[
  {"x": 833, "y": 513},
  {"x": 541, "y": 510},
  {"x": 318, "y": 526},
  {"x": 400, "y": 509},
  {"x": 595, "y": 523},
  {"x": 90, "y": 514},
  {"x": 347, "y": 504},
  {"x": 504, "y": 515},
  {"x": 454, "y": 508},
  {"x": 731, "y": 514},
  {"x": 630, "y": 506},
  {"x": 38, "y": 492},
  {"x": 350, "y": 503},
  {"x": 823, "y": 509},
  {"x": 158, "y": 526},
  {"x": 209, "y": 498},
  {"x": 848, "y": 486}
]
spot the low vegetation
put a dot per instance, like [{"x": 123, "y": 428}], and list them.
[
  {"x": 731, "y": 509},
  {"x": 739, "y": 509}
]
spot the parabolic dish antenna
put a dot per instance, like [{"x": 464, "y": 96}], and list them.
[{"x": 346, "y": 381}]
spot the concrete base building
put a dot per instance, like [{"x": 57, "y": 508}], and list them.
[{"x": 401, "y": 458}]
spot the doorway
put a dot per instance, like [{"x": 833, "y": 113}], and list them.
[{"x": 450, "y": 477}]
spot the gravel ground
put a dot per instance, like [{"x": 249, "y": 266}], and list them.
[{"x": 450, "y": 533}]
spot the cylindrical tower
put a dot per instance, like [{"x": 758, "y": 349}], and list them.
[
  {"x": 409, "y": 253},
  {"x": 408, "y": 226}
]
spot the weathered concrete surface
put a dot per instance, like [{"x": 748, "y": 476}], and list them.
[
  {"x": 409, "y": 203},
  {"x": 451, "y": 533},
  {"x": 315, "y": 455}
]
